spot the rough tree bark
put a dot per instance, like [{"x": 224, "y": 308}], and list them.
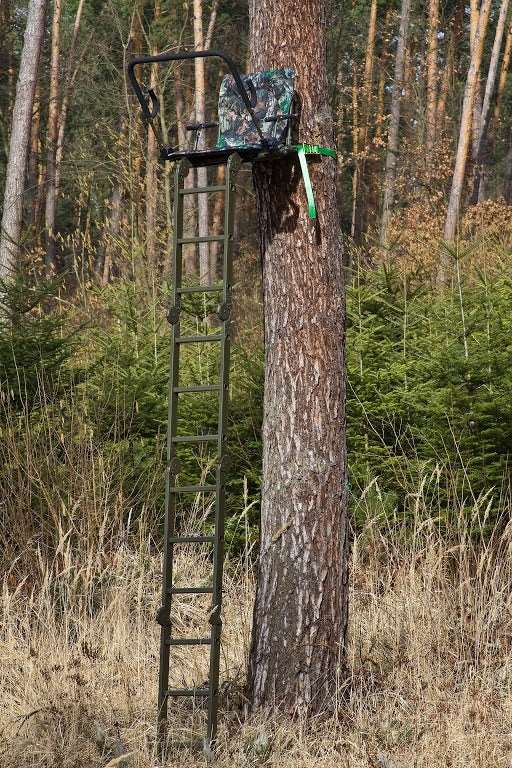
[
  {"x": 20, "y": 136},
  {"x": 300, "y": 612},
  {"x": 52, "y": 137},
  {"x": 452, "y": 215},
  {"x": 432, "y": 78},
  {"x": 394, "y": 122}
]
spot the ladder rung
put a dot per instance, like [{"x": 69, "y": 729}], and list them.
[
  {"x": 187, "y": 692},
  {"x": 198, "y": 388},
  {"x": 199, "y": 289},
  {"x": 191, "y": 539},
  {"x": 199, "y": 339},
  {"x": 189, "y": 641},
  {"x": 207, "y": 239},
  {"x": 193, "y": 190},
  {"x": 192, "y": 488},
  {"x": 195, "y": 439},
  {"x": 191, "y": 590}
]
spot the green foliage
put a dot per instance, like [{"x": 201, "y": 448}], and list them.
[{"x": 35, "y": 343}]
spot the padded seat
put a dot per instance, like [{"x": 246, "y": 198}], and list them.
[{"x": 271, "y": 95}]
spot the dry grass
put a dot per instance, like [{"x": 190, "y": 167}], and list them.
[{"x": 430, "y": 663}]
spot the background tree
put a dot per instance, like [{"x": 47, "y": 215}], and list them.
[{"x": 19, "y": 139}]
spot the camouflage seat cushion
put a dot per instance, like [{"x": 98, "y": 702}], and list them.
[{"x": 271, "y": 94}]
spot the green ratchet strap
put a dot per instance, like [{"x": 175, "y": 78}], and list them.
[{"x": 302, "y": 151}]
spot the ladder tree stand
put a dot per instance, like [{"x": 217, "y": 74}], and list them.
[{"x": 256, "y": 123}]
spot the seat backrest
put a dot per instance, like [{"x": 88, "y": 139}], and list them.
[{"x": 271, "y": 94}]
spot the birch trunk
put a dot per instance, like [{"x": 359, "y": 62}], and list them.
[
  {"x": 452, "y": 215},
  {"x": 488, "y": 97},
  {"x": 394, "y": 122},
  {"x": 300, "y": 612},
  {"x": 52, "y": 136},
  {"x": 19, "y": 139},
  {"x": 432, "y": 78}
]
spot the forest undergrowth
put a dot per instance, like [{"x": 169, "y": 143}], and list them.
[
  {"x": 429, "y": 672},
  {"x": 82, "y": 421}
]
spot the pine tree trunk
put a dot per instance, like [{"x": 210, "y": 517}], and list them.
[
  {"x": 300, "y": 612},
  {"x": 359, "y": 202},
  {"x": 446, "y": 81},
  {"x": 151, "y": 169},
  {"x": 52, "y": 136},
  {"x": 488, "y": 97},
  {"x": 505, "y": 66},
  {"x": 432, "y": 78},
  {"x": 66, "y": 99},
  {"x": 19, "y": 139},
  {"x": 452, "y": 215},
  {"x": 205, "y": 275},
  {"x": 394, "y": 122}
]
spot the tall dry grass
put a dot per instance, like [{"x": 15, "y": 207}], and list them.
[{"x": 429, "y": 672}]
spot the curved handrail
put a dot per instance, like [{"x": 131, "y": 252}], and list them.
[{"x": 163, "y": 57}]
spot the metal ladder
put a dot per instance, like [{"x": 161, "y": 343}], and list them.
[{"x": 172, "y": 537}]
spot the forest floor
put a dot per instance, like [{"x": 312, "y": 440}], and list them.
[{"x": 430, "y": 661}]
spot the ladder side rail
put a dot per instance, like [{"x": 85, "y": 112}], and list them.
[
  {"x": 170, "y": 498},
  {"x": 232, "y": 168}
]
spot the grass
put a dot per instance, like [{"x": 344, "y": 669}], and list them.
[{"x": 429, "y": 659}]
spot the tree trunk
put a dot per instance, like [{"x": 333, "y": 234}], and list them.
[
  {"x": 190, "y": 262},
  {"x": 432, "y": 78},
  {"x": 31, "y": 194},
  {"x": 20, "y": 136},
  {"x": 205, "y": 275},
  {"x": 394, "y": 122},
  {"x": 359, "y": 202},
  {"x": 452, "y": 215},
  {"x": 446, "y": 81},
  {"x": 488, "y": 97},
  {"x": 300, "y": 612},
  {"x": 52, "y": 136},
  {"x": 66, "y": 99},
  {"x": 151, "y": 170},
  {"x": 505, "y": 66},
  {"x": 507, "y": 185}
]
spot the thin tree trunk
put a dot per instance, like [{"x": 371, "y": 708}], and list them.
[
  {"x": 52, "y": 136},
  {"x": 151, "y": 170},
  {"x": 507, "y": 185},
  {"x": 446, "y": 81},
  {"x": 205, "y": 275},
  {"x": 394, "y": 123},
  {"x": 190, "y": 261},
  {"x": 19, "y": 140},
  {"x": 432, "y": 78},
  {"x": 217, "y": 214},
  {"x": 300, "y": 613},
  {"x": 452, "y": 215},
  {"x": 477, "y": 102},
  {"x": 381, "y": 88},
  {"x": 488, "y": 97},
  {"x": 33, "y": 162},
  {"x": 66, "y": 99},
  {"x": 359, "y": 203},
  {"x": 355, "y": 149},
  {"x": 505, "y": 66}
]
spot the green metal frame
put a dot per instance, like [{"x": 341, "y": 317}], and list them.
[{"x": 171, "y": 537}]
